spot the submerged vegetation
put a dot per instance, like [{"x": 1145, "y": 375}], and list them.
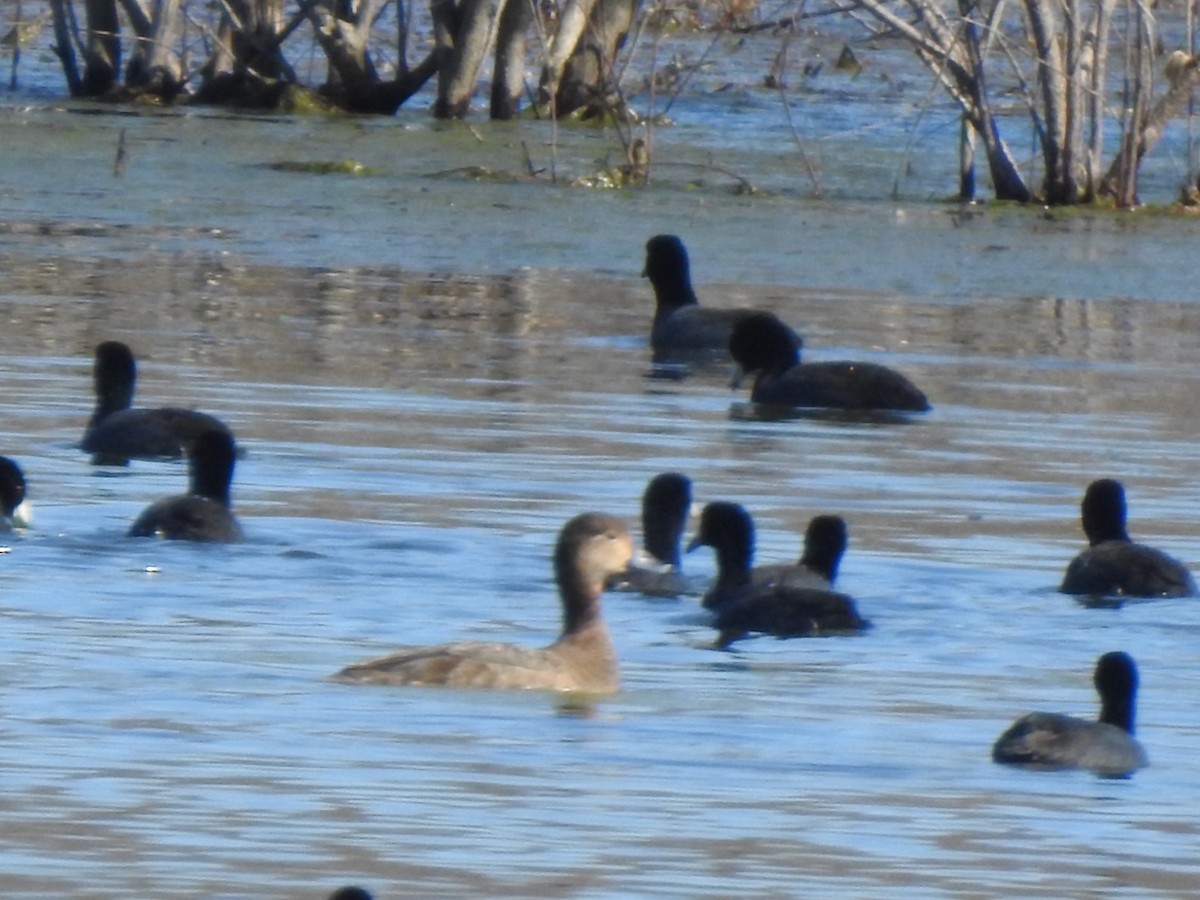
[{"x": 1069, "y": 72}]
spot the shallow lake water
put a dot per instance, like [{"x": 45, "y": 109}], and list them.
[{"x": 428, "y": 377}]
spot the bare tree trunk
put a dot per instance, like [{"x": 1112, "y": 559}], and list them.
[
  {"x": 354, "y": 81},
  {"x": 153, "y": 64},
  {"x": 102, "y": 53},
  {"x": 1095, "y": 98},
  {"x": 472, "y": 37},
  {"x": 258, "y": 48},
  {"x": 64, "y": 44},
  {"x": 403, "y": 11},
  {"x": 247, "y": 67},
  {"x": 1124, "y": 190},
  {"x": 343, "y": 32},
  {"x": 1006, "y": 178},
  {"x": 1007, "y": 183},
  {"x": 1052, "y": 79},
  {"x": 579, "y": 62},
  {"x": 1183, "y": 73},
  {"x": 508, "y": 79},
  {"x": 586, "y": 80},
  {"x": 164, "y": 38},
  {"x": 571, "y": 24},
  {"x": 966, "y": 160},
  {"x": 935, "y": 42},
  {"x": 23, "y": 32},
  {"x": 1072, "y": 106}
]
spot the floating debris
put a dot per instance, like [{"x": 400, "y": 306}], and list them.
[{"x": 335, "y": 167}]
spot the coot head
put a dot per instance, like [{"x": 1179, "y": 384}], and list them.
[
  {"x": 824, "y": 544},
  {"x": 1104, "y": 512},
  {"x": 665, "y": 505},
  {"x": 760, "y": 342}
]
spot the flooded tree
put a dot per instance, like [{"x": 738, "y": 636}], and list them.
[
  {"x": 234, "y": 52},
  {"x": 1055, "y": 57},
  {"x": 579, "y": 63},
  {"x": 1013, "y": 68}
]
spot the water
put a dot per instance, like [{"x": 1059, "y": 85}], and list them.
[{"x": 429, "y": 377}]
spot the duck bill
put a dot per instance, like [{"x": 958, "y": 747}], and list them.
[
  {"x": 647, "y": 562},
  {"x": 736, "y": 378},
  {"x": 22, "y": 516}
]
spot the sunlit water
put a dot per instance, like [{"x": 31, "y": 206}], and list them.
[{"x": 429, "y": 377}]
